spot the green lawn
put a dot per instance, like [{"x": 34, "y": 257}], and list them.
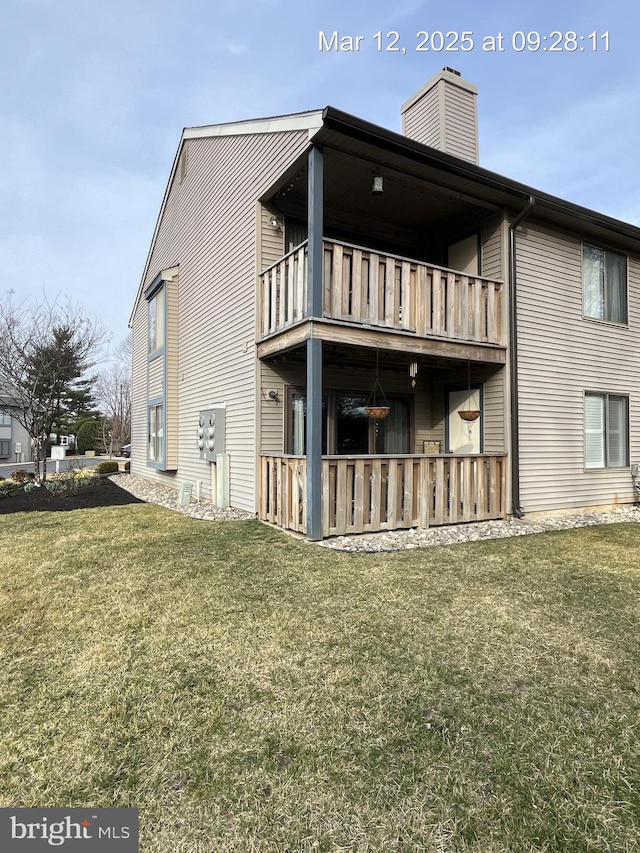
[{"x": 250, "y": 692}]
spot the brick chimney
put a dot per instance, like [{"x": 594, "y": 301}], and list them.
[{"x": 444, "y": 115}]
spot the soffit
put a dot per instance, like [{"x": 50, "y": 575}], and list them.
[{"x": 411, "y": 204}]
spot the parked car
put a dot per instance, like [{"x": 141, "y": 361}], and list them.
[{"x": 126, "y": 450}]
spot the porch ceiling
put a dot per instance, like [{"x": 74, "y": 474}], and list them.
[{"x": 411, "y": 208}]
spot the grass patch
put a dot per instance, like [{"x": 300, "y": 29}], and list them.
[{"x": 249, "y": 692}]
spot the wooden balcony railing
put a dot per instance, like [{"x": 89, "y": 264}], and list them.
[
  {"x": 361, "y": 286},
  {"x": 366, "y": 494},
  {"x": 283, "y": 491}
]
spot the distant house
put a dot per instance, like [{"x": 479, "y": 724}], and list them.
[
  {"x": 15, "y": 443},
  {"x": 308, "y": 268}
]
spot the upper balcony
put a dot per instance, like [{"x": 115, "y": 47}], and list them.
[{"x": 384, "y": 292}]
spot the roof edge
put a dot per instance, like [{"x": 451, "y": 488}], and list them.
[{"x": 310, "y": 121}]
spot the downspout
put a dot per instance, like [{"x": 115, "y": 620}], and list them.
[{"x": 517, "y": 510}]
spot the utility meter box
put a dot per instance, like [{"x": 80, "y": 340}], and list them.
[{"x": 211, "y": 433}]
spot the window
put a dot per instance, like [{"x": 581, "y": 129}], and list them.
[
  {"x": 298, "y": 423},
  {"x": 156, "y": 321},
  {"x": 346, "y": 429},
  {"x": 155, "y": 451},
  {"x": 606, "y": 431},
  {"x": 604, "y": 275},
  {"x": 5, "y": 418},
  {"x": 5, "y": 449}
]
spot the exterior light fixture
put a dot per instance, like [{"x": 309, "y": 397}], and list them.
[
  {"x": 275, "y": 223},
  {"x": 377, "y": 187}
]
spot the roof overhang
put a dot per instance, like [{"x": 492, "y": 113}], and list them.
[
  {"x": 473, "y": 180},
  {"x": 335, "y": 129}
]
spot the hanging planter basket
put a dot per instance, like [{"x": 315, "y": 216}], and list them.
[
  {"x": 377, "y": 413},
  {"x": 469, "y": 414},
  {"x": 373, "y": 410}
]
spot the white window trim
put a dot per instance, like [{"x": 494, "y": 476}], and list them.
[{"x": 606, "y": 431}]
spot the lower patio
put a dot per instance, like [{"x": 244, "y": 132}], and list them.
[{"x": 367, "y": 494}]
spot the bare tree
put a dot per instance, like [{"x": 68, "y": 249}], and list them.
[
  {"x": 112, "y": 392},
  {"x": 44, "y": 348}
]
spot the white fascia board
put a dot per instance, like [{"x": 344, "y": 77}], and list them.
[
  {"x": 168, "y": 275},
  {"x": 310, "y": 121}
]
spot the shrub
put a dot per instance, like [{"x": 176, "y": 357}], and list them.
[
  {"x": 21, "y": 476},
  {"x": 7, "y": 487},
  {"x": 29, "y": 487},
  {"x": 86, "y": 476},
  {"x": 109, "y": 466},
  {"x": 86, "y": 437}
]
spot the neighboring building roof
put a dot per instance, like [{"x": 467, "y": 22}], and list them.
[{"x": 7, "y": 397}]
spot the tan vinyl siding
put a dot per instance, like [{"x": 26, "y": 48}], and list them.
[
  {"x": 273, "y": 413},
  {"x": 461, "y": 123},
  {"x": 272, "y": 240},
  {"x": 209, "y": 229},
  {"x": 494, "y": 395},
  {"x": 443, "y": 114},
  {"x": 493, "y": 264},
  {"x": 156, "y": 378},
  {"x": 422, "y": 121},
  {"x": 562, "y": 355},
  {"x": 422, "y": 413},
  {"x": 437, "y": 415}
]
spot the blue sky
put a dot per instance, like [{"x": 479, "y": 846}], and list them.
[{"x": 93, "y": 98}]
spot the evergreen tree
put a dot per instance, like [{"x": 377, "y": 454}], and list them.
[
  {"x": 45, "y": 349},
  {"x": 76, "y": 407}
]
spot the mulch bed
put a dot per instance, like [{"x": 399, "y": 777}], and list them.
[{"x": 102, "y": 493}]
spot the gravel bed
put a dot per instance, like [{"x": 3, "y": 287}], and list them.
[
  {"x": 396, "y": 540},
  {"x": 165, "y": 496}
]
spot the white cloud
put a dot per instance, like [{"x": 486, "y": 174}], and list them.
[{"x": 236, "y": 48}]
